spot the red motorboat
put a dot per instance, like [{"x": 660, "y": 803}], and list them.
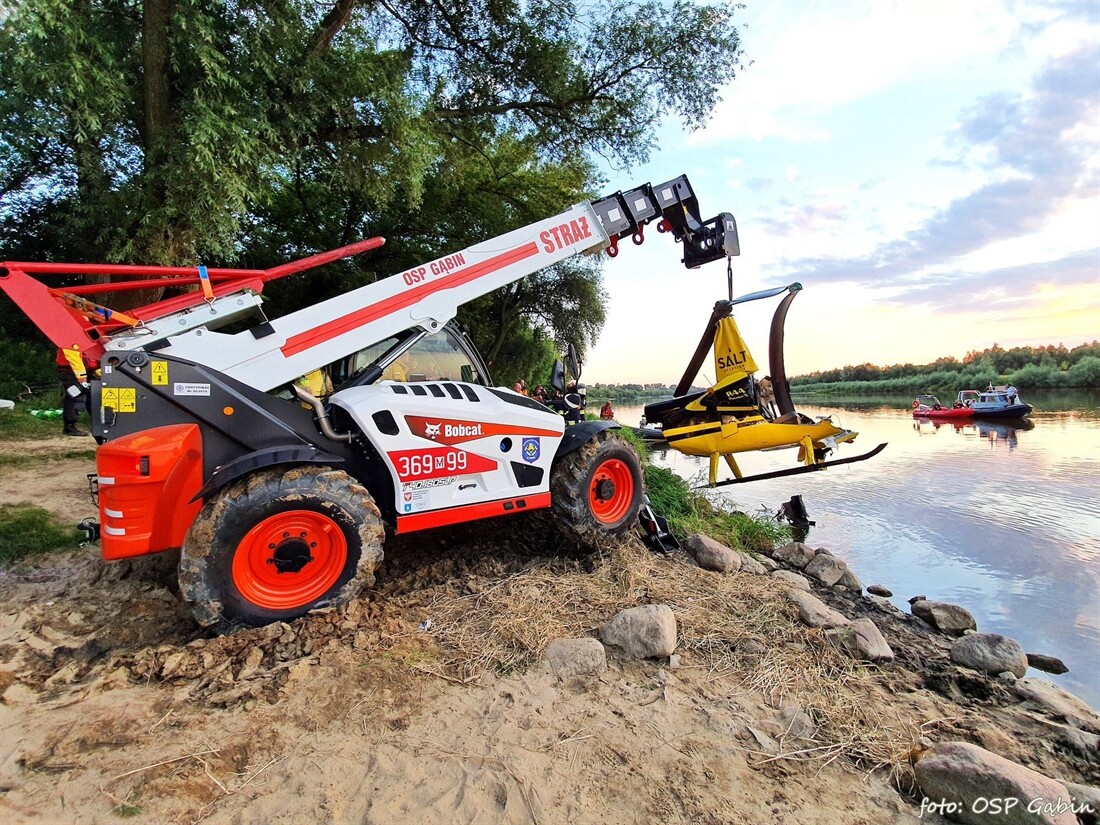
[{"x": 928, "y": 406}]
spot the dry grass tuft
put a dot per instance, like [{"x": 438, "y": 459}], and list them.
[{"x": 507, "y": 626}]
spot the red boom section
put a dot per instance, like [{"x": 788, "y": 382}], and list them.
[{"x": 59, "y": 314}]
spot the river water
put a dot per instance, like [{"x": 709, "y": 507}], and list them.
[{"x": 1001, "y": 518}]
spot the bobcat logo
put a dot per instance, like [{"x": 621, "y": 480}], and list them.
[{"x": 431, "y": 430}]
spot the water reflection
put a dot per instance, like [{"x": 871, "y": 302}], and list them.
[
  {"x": 997, "y": 433},
  {"x": 1000, "y": 517}
]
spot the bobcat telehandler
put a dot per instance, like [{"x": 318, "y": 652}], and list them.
[{"x": 216, "y": 435}]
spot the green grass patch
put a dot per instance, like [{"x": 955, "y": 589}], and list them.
[
  {"x": 27, "y": 530},
  {"x": 689, "y": 511},
  {"x": 637, "y": 442},
  {"x": 20, "y": 424},
  {"x": 27, "y": 459}
]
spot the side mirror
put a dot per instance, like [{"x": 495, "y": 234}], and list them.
[
  {"x": 557, "y": 376},
  {"x": 574, "y": 363}
]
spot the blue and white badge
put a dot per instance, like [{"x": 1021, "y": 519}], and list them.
[{"x": 531, "y": 449}]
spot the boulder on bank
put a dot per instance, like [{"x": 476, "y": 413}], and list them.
[
  {"x": 712, "y": 555},
  {"x": 576, "y": 657},
  {"x": 1047, "y": 664},
  {"x": 969, "y": 777},
  {"x": 647, "y": 632},
  {"x": 946, "y": 618},
  {"x": 792, "y": 578},
  {"x": 990, "y": 653},
  {"x": 750, "y": 565},
  {"x": 1058, "y": 703},
  {"x": 879, "y": 590},
  {"x": 863, "y": 641},
  {"x": 814, "y": 612},
  {"x": 850, "y": 581},
  {"x": 1085, "y": 796},
  {"x": 826, "y": 569},
  {"x": 796, "y": 554}
]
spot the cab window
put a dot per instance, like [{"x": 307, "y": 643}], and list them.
[{"x": 437, "y": 357}]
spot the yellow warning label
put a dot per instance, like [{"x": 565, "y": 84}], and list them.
[
  {"x": 160, "y": 373},
  {"x": 127, "y": 400},
  {"x": 120, "y": 399}
]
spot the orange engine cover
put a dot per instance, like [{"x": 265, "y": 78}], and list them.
[{"x": 146, "y": 483}]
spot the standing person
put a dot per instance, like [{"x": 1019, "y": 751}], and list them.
[
  {"x": 72, "y": 372},
  {"x": 766, "y": 394},
  {"x": 1010, "y": 391},
  {"x": 521, "y": 387},
  {"x": 606, "y": 413},
  {"x": 539, "y": 394}
]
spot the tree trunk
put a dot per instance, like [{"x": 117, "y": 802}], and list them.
[{"x": 157, "y": 244}]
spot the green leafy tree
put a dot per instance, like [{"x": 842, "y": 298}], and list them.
[{"x": 173, "y": 131}]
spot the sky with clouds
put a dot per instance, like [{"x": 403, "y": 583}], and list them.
[{"x": 928, "y": 171}]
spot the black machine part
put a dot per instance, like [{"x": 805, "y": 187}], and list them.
[
  {"x": 674, "y": 205},
  {"x": 655, "y": 531}
]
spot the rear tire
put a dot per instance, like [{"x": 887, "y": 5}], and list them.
[
  {"x": 278, "y": 544},
  {"x": 597, "y": 489}
]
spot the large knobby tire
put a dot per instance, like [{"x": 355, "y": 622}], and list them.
[
  {"x": 597, "y": 489},
  {"x": 279, "y": 543}
]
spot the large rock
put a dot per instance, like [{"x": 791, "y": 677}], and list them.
[
  {"x": 770, "y": 564},
  {"x": 814, "y": 612},
  {"x": 712, "y": 555},
  {"x": 1058, "y": 703},
  {"x": 825, "y": 568},
  {"x": 990, "y": 653},
  {"x": 968, "y": 780},
  {"x": 946, "y": 618},
  {"x": 647, "y": 632},
  {"x": 751, "y": 565},
  {"x": 879, "y": 590},
  {"x": 850, "y": 581},
  {"x": 1048, "y": 664},
  {"x": 792, "y": 578},
  {"x": 863, "y": 641},
  {"x": 796, "y": 554},
  {"x": 1087, "y": 800},
  {"x": 576, "y": 657}
]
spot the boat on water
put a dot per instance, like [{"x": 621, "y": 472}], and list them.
[
  {"x": 996, "y": 402},
  {"x": 928, "y": 406}
]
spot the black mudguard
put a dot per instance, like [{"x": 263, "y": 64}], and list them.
[
  {"x": 580, "y": 434},
  {"x": 260, "y": 459}
]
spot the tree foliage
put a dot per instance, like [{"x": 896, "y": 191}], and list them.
[{"x": 253, "y": 131}]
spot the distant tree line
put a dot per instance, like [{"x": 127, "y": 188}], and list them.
[{"x": 1026, "y": 367}]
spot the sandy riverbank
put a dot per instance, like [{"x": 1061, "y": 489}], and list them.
[{"x": 114, "y": 703}]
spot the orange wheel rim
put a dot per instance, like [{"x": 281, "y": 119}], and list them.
[
  {"x": 290, "y": 560},
  {"x": 611, "y": 491}
]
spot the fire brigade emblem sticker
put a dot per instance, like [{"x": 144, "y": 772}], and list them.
[{"x": 531, "y": 449}]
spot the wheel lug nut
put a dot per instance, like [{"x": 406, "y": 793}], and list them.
[
  {"x": 312, "y": 544},
  {"x": 271, "y": 547},
  {"x": 286, "y": 535}
]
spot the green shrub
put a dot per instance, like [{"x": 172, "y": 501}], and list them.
[
  {"x": 27, "y": 365},
  {"x": 1085, "y": 373},
  {"x": 689, "y": 511}
]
